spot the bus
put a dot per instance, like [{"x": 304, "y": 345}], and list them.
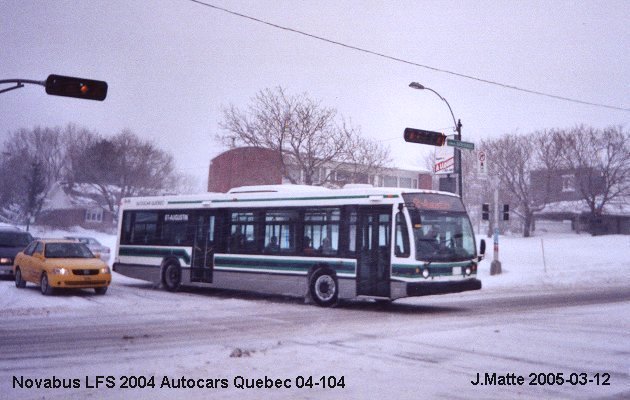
[{"x": 323, "y": 244}]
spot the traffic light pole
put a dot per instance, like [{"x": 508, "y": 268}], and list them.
[
  {"x": 458, "y": 136},
  {"x": 458, "y": 157},
  {"x": 19, "y": 83},
  {"x": 68, "y": 86}
]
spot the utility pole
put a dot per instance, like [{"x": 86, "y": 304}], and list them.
[{"x": 495, "y": 265}]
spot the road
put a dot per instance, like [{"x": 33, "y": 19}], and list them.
[{"x": 430, "y": 347}]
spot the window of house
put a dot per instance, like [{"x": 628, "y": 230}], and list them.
[
  {"x": 94, "y": 215},
  {"x": 390, "y": 181},
  {"x": 404, "y": 182},
  {"x": 568, "y": 183}
]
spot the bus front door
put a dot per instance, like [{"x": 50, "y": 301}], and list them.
[
  {"x": 203, "y": 248},
  {"x": 373, "y": 244}
]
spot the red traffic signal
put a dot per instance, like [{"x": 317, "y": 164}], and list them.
[
  {"x": 69, "y": 86},
  {"x": 424, "y": 137}
]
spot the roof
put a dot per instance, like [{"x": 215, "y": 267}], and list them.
[
  {"x": 576, "y": 207},
  {"x": 8, "y": 227},
  {"x": 305, "y": 195}
]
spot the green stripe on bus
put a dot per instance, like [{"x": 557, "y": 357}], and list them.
[
  {"x": 152, "y": 252},
  {"x": 289, "y": 265}
]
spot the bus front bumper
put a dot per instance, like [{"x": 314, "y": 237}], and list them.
[{"x": 431, "y": 288}]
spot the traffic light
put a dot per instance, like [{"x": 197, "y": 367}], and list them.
[
  {"x": 424, "y": 137},
  {"x": 69, "y": 86},
  {"x": 506, "y": 212},
  {"x": 485, "y": 211}
]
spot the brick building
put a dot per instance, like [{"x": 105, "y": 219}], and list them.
[{"x": 244, "y": 166}]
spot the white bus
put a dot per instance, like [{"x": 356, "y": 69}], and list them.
[{"x": 326, "y": 244}]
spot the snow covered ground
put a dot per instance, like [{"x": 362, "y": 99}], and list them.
[{"x": 418, "y": 348}]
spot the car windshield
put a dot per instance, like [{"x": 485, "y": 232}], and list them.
[
  {"x": 443, "y": 236},
  {"x": 67, "y": 250},
  {"x": 15, "y": 239}
]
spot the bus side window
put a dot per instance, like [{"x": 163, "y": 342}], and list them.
[
  {"x": 243, "y": 232},
  {"x": 321, "y": 227},
  {"x": 402, "y": 236}
]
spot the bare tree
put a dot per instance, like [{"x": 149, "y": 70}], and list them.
[
  {"x": 364, "y": 157},
  {"x": 301, "y": 130},
  {"x": 124, "y": 166},
  {"x": 33, "y": 160},
  {"x": 512, "y": 158},
  {"x": 601, "y": 162}
]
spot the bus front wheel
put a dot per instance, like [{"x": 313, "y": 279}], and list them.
[
  {"x": 324, "y": 288},
  {"x": 172, "y": 276}
]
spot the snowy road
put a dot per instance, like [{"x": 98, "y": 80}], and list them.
[{"x": 431, "y": 347}]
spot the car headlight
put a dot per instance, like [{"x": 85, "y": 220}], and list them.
[
  {"x": 104, "y": 270},
  {"x": 60, "y": 271},
  {"x": 6, "y": 260}
]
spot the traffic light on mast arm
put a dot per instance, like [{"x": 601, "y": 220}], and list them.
[
  {"x": 424, "y": 137},
  {"x": 69, "y": 86}
]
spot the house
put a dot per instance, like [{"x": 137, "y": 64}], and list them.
[
  {"x": 244, "y": 166},
  {"x": 564, "y": 203},
  {"x": 564, "y": 185},
  {"x": 64, "y": 208}
]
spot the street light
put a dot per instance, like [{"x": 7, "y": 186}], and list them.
[{"x": 458, "y": 136}]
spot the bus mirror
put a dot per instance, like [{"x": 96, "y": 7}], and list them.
[{"x": 482, "y": 249}]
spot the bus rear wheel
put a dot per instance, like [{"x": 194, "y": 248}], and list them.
[
  {"x": 324, "y": 288},
  {"x": 172, "y": 276}
]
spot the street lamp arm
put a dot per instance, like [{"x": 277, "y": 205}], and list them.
[
  {"x": 449, "y": 107},
  {"x": 419, "y": 86}
]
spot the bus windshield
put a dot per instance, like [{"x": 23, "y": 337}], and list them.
[
  {"x": 444, "y": 237},
  {"x": 441, "y": 228}
]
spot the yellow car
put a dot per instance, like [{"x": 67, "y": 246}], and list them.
[{"x": 60, "y": 264}]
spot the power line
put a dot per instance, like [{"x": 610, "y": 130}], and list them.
[{"x": 401, "y": 60}]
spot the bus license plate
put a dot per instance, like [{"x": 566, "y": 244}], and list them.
[{"x": 457, "y": 270}]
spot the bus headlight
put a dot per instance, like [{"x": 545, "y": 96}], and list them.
[{"x": 425, "y": 272}]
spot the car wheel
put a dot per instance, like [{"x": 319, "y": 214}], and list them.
[
  {"x": 172, "y": 276},
  {"x": 19, "y": 282},
  {"x": 324, "y": 288},
  {"x": 100, "y": 290},
  {"x": 45, "y": 285}
]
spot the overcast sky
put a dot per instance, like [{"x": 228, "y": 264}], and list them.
[{"x": 172, "y": 64}]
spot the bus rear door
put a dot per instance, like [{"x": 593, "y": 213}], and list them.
[
  {"x": 204, "y": 247},
  {"x": 373, "y": 244}
]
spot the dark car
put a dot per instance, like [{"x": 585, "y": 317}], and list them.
[{"x": 12, "y": 241}]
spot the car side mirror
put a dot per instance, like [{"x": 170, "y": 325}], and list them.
[
  {"x": 97, "y": 255},
  {"x": 482, "y": 249},
  {"x": 39, "y": 256}
]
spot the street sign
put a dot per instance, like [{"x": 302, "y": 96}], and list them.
[
  {"x": 444, "y": 160},
  {"x": 444, "y": 166},
  {"x": 482, "y": 162},
  {"x": 460, "y": 144}
]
